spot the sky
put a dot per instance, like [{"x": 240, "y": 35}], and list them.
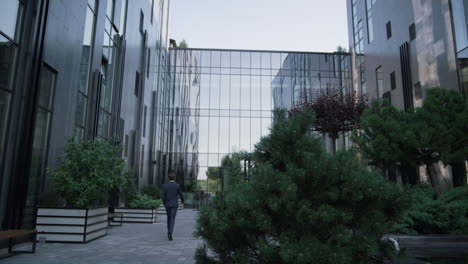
[{"x": 286, "y": 25}]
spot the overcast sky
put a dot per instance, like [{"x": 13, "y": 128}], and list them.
[{"x": 290, "y": 25}]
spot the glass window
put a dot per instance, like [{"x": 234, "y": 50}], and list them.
[
  {"x": 7, "y": 63},
  {"x": 226, "y": 59},
  {"x": 9, "y": 14},
  {"x": 4, "y": 109},
  {"x": 370, "y": 26},
  {"x": 380, "y": 84},
  {"x": 215, "y": 59},
  {"x": 412, "y": 32},
  {"x": 255, "y": 60},
  {"x": 392, "y": 81},
  {"x": 235, "y": 59},
  {"x": 389, "y": 29},
  {"x": 460, "y": 22},
  {"x": 41, "y": 132},
  {"x": 123, "y": 17},
  {"x": 245, "y": 60}
]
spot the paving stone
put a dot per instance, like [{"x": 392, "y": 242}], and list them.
[{"x": 129, "y": 244}]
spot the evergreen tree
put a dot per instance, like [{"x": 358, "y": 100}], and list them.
[
  {"x": 424, "y": 136},
  {"x": 300, "y": 205}
]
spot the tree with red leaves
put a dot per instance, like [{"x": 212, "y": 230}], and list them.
[{"x": 335, "y": 112}]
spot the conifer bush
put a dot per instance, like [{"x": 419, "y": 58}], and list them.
[{"x": 300, "y": 205}]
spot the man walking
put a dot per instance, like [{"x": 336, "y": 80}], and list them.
[{"x": 170, "y": 195}]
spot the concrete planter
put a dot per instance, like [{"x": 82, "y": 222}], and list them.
[
  {"x": 69, "y": 225},
  {"x": 137, "y": 215}
]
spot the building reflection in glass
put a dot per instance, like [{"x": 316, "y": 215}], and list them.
[{"x": 221, "y": 101}]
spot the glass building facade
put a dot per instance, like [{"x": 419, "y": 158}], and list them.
[
  {"x": 223, "y": 99},
  {"x": 96, "y": 72}
]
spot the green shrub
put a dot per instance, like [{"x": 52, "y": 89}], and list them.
[
  {"x": 143, "y": 201},
  {"x": 128, "y": 189},
  {"x": 300, "y": 205},
  {"x": 434, "y": 214},
  {"x": 152, "y": 190},
  {"x": 90, "y": 170}
]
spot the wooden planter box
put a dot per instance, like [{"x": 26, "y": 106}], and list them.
[
  {"x": 71, "y": 225},
  {"x": 137, "y": 215}
]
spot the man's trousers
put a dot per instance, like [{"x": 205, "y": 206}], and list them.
[{"x": 171, "y": 214}]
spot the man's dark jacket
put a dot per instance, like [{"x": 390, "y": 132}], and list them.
[{"x": 171, "y": 193}]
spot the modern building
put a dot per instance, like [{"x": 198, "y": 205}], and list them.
[
  {"x": 87, "y": 69},
  {"x": 401, "y": 48},
  {"x": 80, "y": 69},
  {"x": 229, "y": 96}
]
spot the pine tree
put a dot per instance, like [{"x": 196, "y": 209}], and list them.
[
  {"x": 300, "y": 205},
  {"x": 423, "y": 136}
]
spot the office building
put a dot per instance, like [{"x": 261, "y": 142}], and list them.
[
  {"x": 79, "y": 69},
  {"x": 401, "y": 48}
]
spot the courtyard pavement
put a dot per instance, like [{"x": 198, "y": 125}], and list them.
[{"x": 129, "y": 244}]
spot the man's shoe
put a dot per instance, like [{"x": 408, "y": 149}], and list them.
[{"x": 170, "y": 237}]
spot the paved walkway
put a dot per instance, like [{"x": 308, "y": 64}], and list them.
[{"x": 129, "y": 244}]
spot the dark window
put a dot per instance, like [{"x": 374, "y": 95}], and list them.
[
  {"x": 126, "y": 145},
  {"x": 148, "y": 63},
  {"x": 412, "y": 32},
  {"x": 418, "y": 91},
  {"x": 389, "y": 29},
  {"x": 44, "y": 111},
  {"x": 142, "y": 20},
  {"x": 137, "y": 83},
  {"x": 142, "y": 160},
  {"x": 388, "y": 97},
  {"x": 392, "y": 81},
  {"x": 144, "y": 122}
]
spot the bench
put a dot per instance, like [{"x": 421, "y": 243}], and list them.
[
  {"x": 110, "y": 217},
  {"x": 14, "y": 233},
  {"x": 435, "y": 246}
]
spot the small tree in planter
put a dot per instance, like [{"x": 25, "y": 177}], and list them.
[
  {"x": 139, "y": 207},
  {"x": 89, "y": 171}
]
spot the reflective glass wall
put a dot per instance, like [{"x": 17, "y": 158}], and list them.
[{"x": 225, "y": 100}]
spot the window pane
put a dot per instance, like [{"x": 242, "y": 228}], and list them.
[
  {"x": 46, "y": 88},
  {"x": 214, "y": 92},
  {"x": 4, "y": 107},
  {"x": 245, "y": 92},
  {"x": 235, "y": 59},
  {"x": 245, "y": 134},
  {"x": 214, "y": 135},
  {"x": 245, "y": 59},
  {"x": 7, "y": 63},
  {"x": 123, "y": 17},
  {"x": 224, "y": 135},
  {"x": 224, "y": 92},
  {"x": 225, "y": 59},
  {"x": 234, "y": 129},
  {"x": 8, "y": 17},
  {"x": 255, "y": 60}
]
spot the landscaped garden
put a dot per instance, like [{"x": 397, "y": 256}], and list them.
[{"x": 301, "y": 204}]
